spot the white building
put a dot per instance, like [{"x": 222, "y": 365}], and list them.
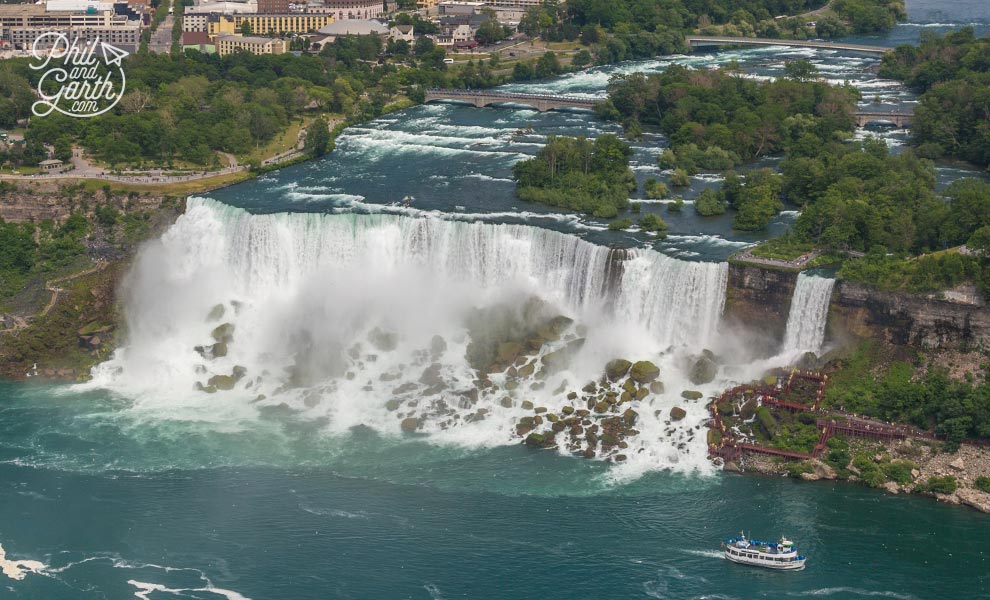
[
  {"x": 402, "y": 32},
  {"x": 127, "y": 37},
  {"x": 355, "y": 9},
  {"x": 521, "y": 4},
  {"x": 460, "y": 8}
]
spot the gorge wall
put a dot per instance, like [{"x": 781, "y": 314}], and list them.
[
  {"x": 758, "y": 302},
  {"x": 36, "y": 201},
  {"x": 957, "y": 321}
]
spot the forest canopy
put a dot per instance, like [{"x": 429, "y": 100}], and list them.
[{"x": 952, "y": 73}]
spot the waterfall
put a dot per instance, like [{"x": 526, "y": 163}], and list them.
[
  {"x": 808, "y": 315},
  {"x": 378, "y": 319}
]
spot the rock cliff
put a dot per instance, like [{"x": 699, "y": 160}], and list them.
[
  {"x": 757, "y": 303},
  {"x": 933, "y": 321},
  {"x": 36, "y": 201}
]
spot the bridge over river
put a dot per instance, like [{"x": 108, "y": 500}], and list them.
[
  {"x": 703, "y": 41},
  {"x": 481, "y": 98},
  {"x": 544, "y": 102}
]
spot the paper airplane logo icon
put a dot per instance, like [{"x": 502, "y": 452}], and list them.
[{"x": 112, "y": 55}]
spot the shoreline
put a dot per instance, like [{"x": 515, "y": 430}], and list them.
[{"x": 971, "y": 461}]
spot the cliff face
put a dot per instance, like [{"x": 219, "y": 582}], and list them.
[
  {"x": 36, "y": 201},
  {"x": 757, "y": 302},
  {"x": 927, "y": 321}
]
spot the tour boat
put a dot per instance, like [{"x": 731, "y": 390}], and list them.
[{"x": 771, "y": 555}]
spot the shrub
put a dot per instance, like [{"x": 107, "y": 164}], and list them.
[
  {"x": 940, "y": 485},
  {"x": 651, "y": 222},
  {"x": 655, "y": 190},
  {"x": 680, "y": 178},
  {"x": 900, "y": 471},
  {"x": 619, "y": 224},
  {"x": 869, "y": 471},
  {"x": 795, "y": 469},
  {"x": 766, "y": 420},
  {"x": 708, "y": 204},
  {"x": 983, "y": 484}
]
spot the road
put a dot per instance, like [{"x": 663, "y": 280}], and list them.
[{"x": 161, "y": 38}]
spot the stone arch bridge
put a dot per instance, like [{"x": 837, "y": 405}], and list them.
[{"x": 482, "y": 98}]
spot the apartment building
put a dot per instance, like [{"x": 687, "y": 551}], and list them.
[
  {"x": 355, "y": 9},
  {"x": 228, "y": 44},
  {"x": 22, "y": 24},
  {"x": 262, "y": 24}
]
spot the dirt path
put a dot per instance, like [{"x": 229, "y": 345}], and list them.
[{"x": 21, "y": 322}]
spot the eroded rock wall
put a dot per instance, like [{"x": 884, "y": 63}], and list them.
[{"x": 926, "y": 321}]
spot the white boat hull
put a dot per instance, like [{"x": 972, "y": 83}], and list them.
[{"x": 767, "y": 561}]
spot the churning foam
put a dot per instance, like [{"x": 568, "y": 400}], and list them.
[{"x": 17, "y": 569}]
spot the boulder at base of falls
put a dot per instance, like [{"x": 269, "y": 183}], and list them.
[
  {"x": 219, "y": 350},
  {"x": 656, "y": 387},
  {"x": 410, "y": 424},
  {"x": 558, "y": 359},
  {"x": 691, "y": 395},
  {"x": 223, "y": 333},
  {"x": 644, "y": 371},
  {"x": 507, "y": 352},
  {"x": 554, "y": 328},
  {"x": 216, "y": 313},
  {"x": 431, "y": 375},
  {"x": 617, "y": 369},
  {"x": 540, "y": 440},
  {"x": 703, "y": 371},
  {"x": 385, "y": 341},
  {"x": 438, "y": 346},
  {"x": 221, "y": 382},
  {"x": 677, "y": 413}
]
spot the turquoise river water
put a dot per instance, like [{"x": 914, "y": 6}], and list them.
[{"x": 298, "y": 484}]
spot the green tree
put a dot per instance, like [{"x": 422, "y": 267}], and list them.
[
  {"x": 652, "y": 222},
  {"x": 317, "y": 138},
  {"x": 708, "y": 204},
  {"x": 801, "y": 70},
  {"x": 980, "y": 240}
]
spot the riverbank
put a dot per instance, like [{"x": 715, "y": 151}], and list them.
[
  {"x": 768, "y": 427},
  {"x": 920, "y": 467}
]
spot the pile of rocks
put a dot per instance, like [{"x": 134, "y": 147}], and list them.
[{"x": 597, "y": 421}]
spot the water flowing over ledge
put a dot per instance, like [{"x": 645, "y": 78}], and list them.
[{"x": 808, "y": 316}]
